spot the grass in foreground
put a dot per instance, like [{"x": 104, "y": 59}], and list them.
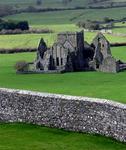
[
  {"x": 32, "y": 137},
  {"x": 92, "y": 84}
]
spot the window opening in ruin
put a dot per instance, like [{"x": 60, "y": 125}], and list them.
[
  {"x": 57, "y": 61},
  {"x": 97, "y": 66},
  {"x": 61, "y": 61}
]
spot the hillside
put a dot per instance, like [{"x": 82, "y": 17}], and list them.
[
  {"x": 60, "y": 21},
  {"x": 63, "y": 3}
]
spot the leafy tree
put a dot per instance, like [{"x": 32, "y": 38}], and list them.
[
  {"x": 21, "y": 66},
  {"x": 12, "y": 25},
  {"x": 39, "y": 2},
  {"x": 91, "y": 25},
  {"x": 107, "y": 20},
  {"x": 23, "y": 25}
]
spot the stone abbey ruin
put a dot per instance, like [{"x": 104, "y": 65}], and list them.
[{"x": 71, "y": 53}]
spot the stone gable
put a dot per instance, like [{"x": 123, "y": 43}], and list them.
[{"x": 71, "y": 53}]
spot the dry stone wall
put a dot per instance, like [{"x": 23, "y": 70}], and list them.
[{"x": 71, "y": 113}]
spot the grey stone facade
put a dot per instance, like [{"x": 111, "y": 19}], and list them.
[
  {"x": 66, "y": 55},
  {"x": 70, "y": 53},
  {"x": 103, "y": 59},
  {"x": 71, "y": 113}
]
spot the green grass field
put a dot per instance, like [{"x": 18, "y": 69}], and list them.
[
  {"x": 45, "y": 3},
  {"x": 31, "y": 137},
  {"x": 60, "y": 21},
  {"x": 120, "y": 28},
  {"x": 32, "y": 40},
  {"x": 92, "y": 84},
  {"x": 69, "y": 16},
  {"x": 25, "y": 40},
  {"x": 56, "y": 3}
]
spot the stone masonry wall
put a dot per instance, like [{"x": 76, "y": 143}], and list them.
[{"x": 68, "y": 112}]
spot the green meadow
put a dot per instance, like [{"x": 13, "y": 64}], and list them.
[
  {"x": 32, "y": 40},
  {"x": 31, "y": 137},
  {"x": 69, "y": 16},
  {"x": 55, "y": 3},
  {"x": 60, "y": 21},
  {"x": 120, "y": 28},
  {"x": 45, "y": 3},
  {"x": 92, "y": 84}
]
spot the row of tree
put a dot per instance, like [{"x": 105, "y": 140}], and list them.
[
  {"x": 12, "y": 25},
  {"x": 91, "y": 25},
  {"x": 107, "y": 23}
]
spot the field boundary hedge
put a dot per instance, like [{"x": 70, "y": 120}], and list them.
[
  {"x": 30, "y": 31},
  {"x": 117, "y": 44},
  {"x": 17, "y": 50}
]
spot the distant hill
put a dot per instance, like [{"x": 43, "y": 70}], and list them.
[
  {"x": 10, "y": 7},
  {"x": 63, "y": 3}
]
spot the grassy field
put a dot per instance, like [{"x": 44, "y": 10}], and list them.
[
  {"x": 32, "y": 40},
  {"x": 45, "y": 3},
  {"x": 31, "y": 137},
  {"x": 56, "y": 3},
  {"x": 92, "y": 84},
  {"x": 69, "y": 16},
  {"x": 120, "y": 28},
  {"x": 25, "y": 40},
  {"x": 59, "y": 22}
]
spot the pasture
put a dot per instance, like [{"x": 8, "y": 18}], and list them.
[
  {"x": 68, "y": 16},
  {"x": 92, "y": 84},
  {"x": 120, "y": 28},
  {"x": 60, "y": 21},
  {"x": 32, "y": 40},
  {"x": 45, "y": 3},
  {"x": 32, "y": 137},
  {"x": 57, "y": 3}
]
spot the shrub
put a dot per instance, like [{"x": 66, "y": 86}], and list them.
[
  {"x": 108, "y": 20},
  {"x": 110, "y": 25},
  {"x": 21, "y": 66},
  {"x": 39, "y": 2},
  {"x": 91, "y": 25},
  {"x": 23, "y": 25},
  {"x": 12, "y": 25}
]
